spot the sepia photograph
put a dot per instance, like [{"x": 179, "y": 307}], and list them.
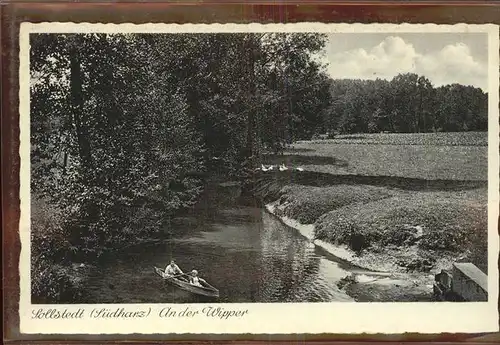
[
  {"x": 274, "y": 167},
  {"x": 179, "y": 167}
]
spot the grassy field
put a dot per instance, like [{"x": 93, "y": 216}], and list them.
[
  {"x": 446, "y": 156},
  {"x": 306, "y": 204},
  {"x": 430, "y": 139},
  {"x": 414, "y": 228},
  {"x": 429, "y": 221}
]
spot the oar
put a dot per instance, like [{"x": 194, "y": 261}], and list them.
[{"x": 178, "y": 275}]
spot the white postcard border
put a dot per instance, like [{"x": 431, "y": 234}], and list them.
[{"x": 283, "y": 318}]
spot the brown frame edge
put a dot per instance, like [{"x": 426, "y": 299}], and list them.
[{"x": 13, "y": 14}]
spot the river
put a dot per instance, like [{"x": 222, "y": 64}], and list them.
[{"x": 247, "y": 253}]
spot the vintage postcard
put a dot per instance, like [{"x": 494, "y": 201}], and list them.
[{"x": 234, "y": 178}]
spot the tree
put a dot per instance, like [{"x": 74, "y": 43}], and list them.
[
  {"x": 407, "y": 103},
  {"x": 123, "y": 130}
]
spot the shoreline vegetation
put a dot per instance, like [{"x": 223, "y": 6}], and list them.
[
  {"x": 123, "y": 141},
  {"x": 398, "y": 238},
  {"x": 404, "y": 237},
  {"x": 362, "y": 202},
  {"x": 368, "y": 282}
]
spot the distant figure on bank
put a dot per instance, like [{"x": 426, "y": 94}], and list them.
[
  {"x": 194, "y": 279},
  {"x": 172, "y": 269}
]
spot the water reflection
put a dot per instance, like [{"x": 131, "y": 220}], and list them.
[{"x": 248, "y": 254}]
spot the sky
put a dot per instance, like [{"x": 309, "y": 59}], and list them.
[{"x": 443, "y": 58}]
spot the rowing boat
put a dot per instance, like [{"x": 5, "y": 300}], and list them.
[{"x": 206, "y": 290}]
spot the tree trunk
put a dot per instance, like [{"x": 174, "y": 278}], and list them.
[
  {"x": 250, "y": 64},
  {"x": 77, "y": 105},
  {"x": 80, "y": 231},
  {"x": 248, "y": 154}
]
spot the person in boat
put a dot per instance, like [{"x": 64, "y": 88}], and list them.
[
  {"x": 195, "y": 280},
  {"x": 172, "y": 269}
]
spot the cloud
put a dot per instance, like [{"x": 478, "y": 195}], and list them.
[{"x": 454, "y": 63}]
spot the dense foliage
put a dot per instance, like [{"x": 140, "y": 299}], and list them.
[
  {"x": 406, "y": 104},
  {"x": 125, "y": 127},
  {"x": 109, "y": 139}
]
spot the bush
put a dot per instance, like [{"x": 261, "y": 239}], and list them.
[
  {"x": 49, "y": 238},
  {"x": 50, "y": 252},
  {"x": 403, "y": 235},
  {"x": 346, "y": 232},
  {"x": 306, "y": 204},
  {"x": 433, "y": 221},
  {"x": 445, "y": 239},
  {"x": 53, "y": 283}
]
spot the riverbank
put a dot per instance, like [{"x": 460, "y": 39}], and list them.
[
  {"x": 242, "y": 250},
  {"x": 405, "y": 236},
  {"x": 371, "y": 281},
  {"x": 58, "y": 275},
  {"x": 58, "y": 270},
  {"x": 307, "y": 230}
]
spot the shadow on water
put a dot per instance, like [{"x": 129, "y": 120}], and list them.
[{"x": 248, "y": 254}]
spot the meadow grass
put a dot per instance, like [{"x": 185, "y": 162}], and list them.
[
  {"x": 439, "y": 156},
  {"x": 433, "y": 139},
  {"x": 435, "y": 221},
  {"x": 370, "y": 219},
  {"x": 416, "y": 225},
  {"x": 306, "y": 204}
]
